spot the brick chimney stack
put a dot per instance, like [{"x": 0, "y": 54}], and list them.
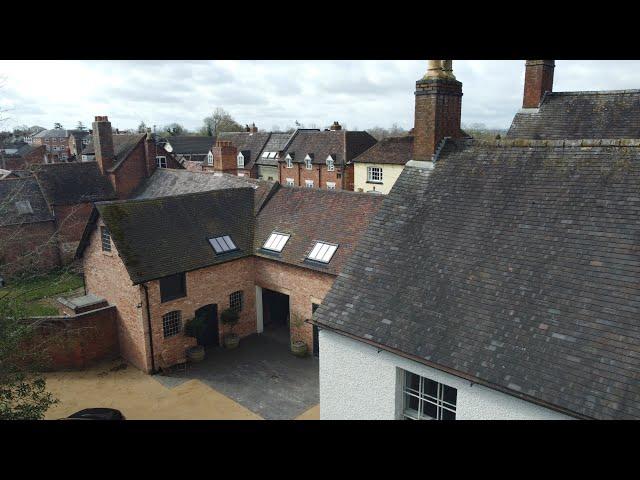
[
  {"x": 538, "y": 79},
  {"x": 438, "y": 109},
  {"x": 335, "y": 126},
  {"x": 103, "y": 143},
  {"x": 253, "y": 128},
  {"x": 225, "y": 156}
]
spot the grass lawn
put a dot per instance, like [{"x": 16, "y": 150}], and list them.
[{"x": 35, "y": 296}]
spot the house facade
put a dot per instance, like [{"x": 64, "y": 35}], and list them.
[
  {"x": 248, "y": 247},
  {"x": 499, "y": 279},
  {"x": 377, "y": 168}
]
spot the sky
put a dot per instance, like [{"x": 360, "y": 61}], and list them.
[{"x": 359, "y": 94}]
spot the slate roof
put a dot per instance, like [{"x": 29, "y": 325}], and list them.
[
  {"x": 54, "y": 132},
  {"x": 167, "y": 182},
  {"x": 72, "y": 183},
  {"x": 311, "y": 215},
  {"x": 247, "y": 142},
  {"x": 14, "y": 190},
  {"x": 514, "y": 264},
  {"x": 277, "y": 143},
  {"x": 191, "y": 144},
  {"x": 164, "y": 236},
  {"x": 577, "y": 115},
  {"x": 344, "y": 144},
  {"x": 392, "y": 150},
  {"x": 123, "y": 145}
]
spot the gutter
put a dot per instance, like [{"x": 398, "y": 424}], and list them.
[
  {"x": 146, "y": 297},
  {"x": 453, "y": 372}
]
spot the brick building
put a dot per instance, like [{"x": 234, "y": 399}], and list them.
[
  {"x": 322, "y": 159},
  {"x": 58, "y": 143},
  {"x": 22, "y": 157},
  {"x": 159, "y": 262}
]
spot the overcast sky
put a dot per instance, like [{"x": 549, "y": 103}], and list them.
[{"x": 357, "y": 93}]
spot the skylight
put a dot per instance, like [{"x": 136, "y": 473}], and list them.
[
  {"x": 276, "y": 242},
  {"x": 265, "y": 154},
  {"x": 222, "y": 244},
  {"x": 24, "y": 207},
  {"x": 322, "y": 252},
  {"x": 272, "y": 154}
]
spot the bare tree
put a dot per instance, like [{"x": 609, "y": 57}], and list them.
[{"x": 219, "y": 121}]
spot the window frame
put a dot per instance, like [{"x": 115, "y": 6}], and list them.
[
  {"x": 370, "y": 171},
  {"x": 238, "y": 158},
  {"x": 227, "y": 241},
  {"x": 438, "y": 402},
  {"x": 331, "y": 185},
  {"x": 170, "y": 296},
  {"x": 330, "y": 164},
  {"x": 319, "y": 245},
  {"x": 308, "y": 183},
  {"x": 169, "y": 331},
  {"x": 103, "y": 239},
  {"x": 236, "y": 297},
  {"x": 209, "y": 158},
  {"x": 308, "y": 163},
  {"x": 289, "y": 161},
  {"x": 274, "y": 239},
  {"x": 290, "y": 182},
  {"x": 159, "y": 159}
]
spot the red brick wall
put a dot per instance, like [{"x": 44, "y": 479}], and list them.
[
  {"x": 130, "y": 173},
  {"x": 70, "y": 222},
  {"x": 106, "y": 276},
  {"x": 304, "y": 287},
  {"x": 211, "y": 285},
  {"x": 28, "y": 248},
  {"x": 78, "y": 341},
  {"x": 34, "y": 157},
  {"x": 318, "y": 173},
  {"x": 538, "y": 80}
]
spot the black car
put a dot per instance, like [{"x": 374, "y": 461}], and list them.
[{"x": 97, "y": 414}]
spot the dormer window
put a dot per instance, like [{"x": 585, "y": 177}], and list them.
[
  {"x": 289, "y": 161},
  {"x": 223, "y": 244},
  {"x": 322, "y": 252},
  {"x": 307, "y": 162},
  {"x": 240, "y": 160},
  {"x": 330, "y": 164},
  {"x": 210, "y": 158},
  {"x": 276, "y": 242}
]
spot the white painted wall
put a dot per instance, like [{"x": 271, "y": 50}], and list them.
[
  {"x": 390, "y": 174},
  {"x": 358, "y": 382}
]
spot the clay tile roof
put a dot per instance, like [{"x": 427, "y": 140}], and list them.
[
  {"x": 319, "y": 145},
  {"x": 515, "y": 264},
  {"x": 311, "y": 215},
  {"x": 392, "y": 150},
  {"x": 577, "y": 115}
]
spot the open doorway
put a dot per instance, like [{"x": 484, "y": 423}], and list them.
[
  {"x": 275, "y": 314},
  {"x": 209, "y": 337}
]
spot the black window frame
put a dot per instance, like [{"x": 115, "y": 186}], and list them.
[
  {"x": 172, "y": 329},
  {"x": 237, "y": 296},
  {"x": 169, "y": 292},
  {"x": 104, "y": 232}
]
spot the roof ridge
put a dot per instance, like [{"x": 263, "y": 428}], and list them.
[
  {"x": 180, "y": 195},
  {"x": 594, "y": 92},
  {"x": 525, "y": 142}
]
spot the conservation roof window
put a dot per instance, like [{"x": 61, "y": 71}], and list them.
[
  {"x": 223, "y": 244},
  {"x": 24, "y": 207},
  {"x": 276, "y": 241},
  {"x": 322, "y": 252}
]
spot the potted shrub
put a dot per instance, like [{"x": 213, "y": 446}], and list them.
[
  {"x": 195, "y": 328},
  {"x": 298, "y": 347},
  {"x": 230, "y": 317}
]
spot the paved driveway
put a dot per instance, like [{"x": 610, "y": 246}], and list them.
[{"x": 261, "y": 375}]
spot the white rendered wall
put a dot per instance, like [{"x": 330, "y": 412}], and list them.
[
  {"x": 357, "y": 382},
  {"x": 390, "y": 174}
]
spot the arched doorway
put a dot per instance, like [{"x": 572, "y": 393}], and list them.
[{"x": 210, "y": 334}]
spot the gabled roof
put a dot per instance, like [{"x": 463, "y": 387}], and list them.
[
  {"x": 72, "y": 183},
  {"x": 277, "y": 143},
  {"x": 576, "y": 115},
  {"x": 344, "y": 144},
  {"x": 312, "y": 215},
  {"x": 514, "y": 264},
  {"x": 13, "y": 190},
  {"x": 247, "y": 142},
  {"x": 123, "y": 145},
  {"x": 391, "y": 150},
  {"x": 191, "y": 144},
  {"x": 167, "y": 182},
  {"x": 164, "y": 236}
]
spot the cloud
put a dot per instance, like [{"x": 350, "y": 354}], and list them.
[{"x": 356, "y": 93}]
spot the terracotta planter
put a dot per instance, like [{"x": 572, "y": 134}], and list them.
[
  {"x": 299, "y": 348},
  {"x": 231, "y": 340},
  {"x": 195, "y": 354}
]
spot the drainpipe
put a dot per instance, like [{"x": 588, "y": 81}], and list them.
[{"x": 146, "y": 297}]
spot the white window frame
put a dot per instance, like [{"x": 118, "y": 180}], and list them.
[
  {"x": 210, "y": 158},
  {"x": 422, "y": 398},
  {"x": 289, "y": 161},
  {"x": 159, "y": 160},
  {"x": 374, "y": 174},
  {"x": 331, "y": 185},
  {"x": 308, "y": 163},
  {"x": 330, "y": 164},
  {"x": 240, "y": 160},
  {"x": 276, "y": 242},
  {"x": 308, "y": 183},
  {"x": 322, "y": 252},
  {"x": 290, "y": 182}
]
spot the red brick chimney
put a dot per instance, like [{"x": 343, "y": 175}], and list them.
[
  {"x": 335, "y": 126},
  {"x": 538, "y": 79},
  {"x": 253, "y": 128},
  {"x": 438, "y": 109},
  {"x": 225, "y": 156},
  {"x": 103, "y": 143}
]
